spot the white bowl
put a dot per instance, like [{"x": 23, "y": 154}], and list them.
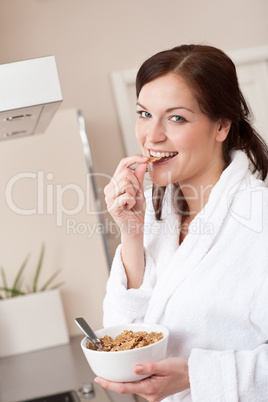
[{"x": 118, "y": 366}]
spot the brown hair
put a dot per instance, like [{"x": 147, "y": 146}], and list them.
[{"x": 212, "y": 76}]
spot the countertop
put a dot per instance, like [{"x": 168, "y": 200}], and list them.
[{"x": 46, "y": 372}]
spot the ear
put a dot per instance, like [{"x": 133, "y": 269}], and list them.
[{"x": 223, "y": 129}]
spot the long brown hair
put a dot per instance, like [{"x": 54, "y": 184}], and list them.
[{"x": 212, "y": 76}]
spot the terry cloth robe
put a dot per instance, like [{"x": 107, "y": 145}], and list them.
[{"x": 211, "y": 292}]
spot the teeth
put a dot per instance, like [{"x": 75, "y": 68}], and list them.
[{"x": 162, "y": 154}]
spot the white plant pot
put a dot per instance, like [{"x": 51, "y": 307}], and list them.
[{"x": 32, "y": 322}]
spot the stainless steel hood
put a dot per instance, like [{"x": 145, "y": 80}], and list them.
[{"x": 30, "y": 94}]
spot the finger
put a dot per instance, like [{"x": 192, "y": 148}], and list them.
[
  {"x": 126, "y": 185},
  {"x": 123, "y": 188},
  {"x": 161, "y": 367},
  {"x": 124, "y": 179},
  {"x": 125, "y": 201},
  {"x": 122, "y": 387},
  {"x": 130, "y": 160},
  {"x": 140, "y": 173},
  {"x": 121, "y": 205},
  {"x": 118, "y": 191},
  {"x": 146, "y": 368}
]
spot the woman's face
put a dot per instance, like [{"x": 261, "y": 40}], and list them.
[{"x": 171, "y": 123}]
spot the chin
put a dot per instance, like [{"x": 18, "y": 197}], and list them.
[
  {"x": 163, "y": 178},
  {"x": 160, "y": 181}
]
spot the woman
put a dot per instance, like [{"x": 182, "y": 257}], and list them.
[{"x": 197, "y": 260}]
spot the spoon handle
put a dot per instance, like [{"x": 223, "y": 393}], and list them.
[{"x": 83, "y": 325}]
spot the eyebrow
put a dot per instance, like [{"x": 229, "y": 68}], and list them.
[{"x": 169, "y": 109}]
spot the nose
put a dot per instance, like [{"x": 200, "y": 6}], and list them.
[{"x": 155, "y": 132}]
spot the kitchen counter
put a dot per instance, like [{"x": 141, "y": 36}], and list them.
[{"x": 50, "y": 371}]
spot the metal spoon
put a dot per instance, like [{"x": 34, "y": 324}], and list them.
[{"x": 83, "y": 325}]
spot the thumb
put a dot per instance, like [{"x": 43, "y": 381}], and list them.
[
  {"x": 160, "y": 367},
  {"x": 140, "y": 173},
  {"x": 146, "y": 368}
]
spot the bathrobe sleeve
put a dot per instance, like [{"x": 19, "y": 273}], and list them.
[
  {"x": 122, "y": 305},
  {"x": 230, "y": 376}
]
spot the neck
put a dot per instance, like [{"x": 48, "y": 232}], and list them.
[{"x": 197, "y": 192}]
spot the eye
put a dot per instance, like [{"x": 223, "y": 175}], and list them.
[
  {"x": 143, "y": 114},
  {"x": 178, "y": 119}
]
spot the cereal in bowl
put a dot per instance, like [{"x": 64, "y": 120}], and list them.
[{"x": 127, "y": 340}]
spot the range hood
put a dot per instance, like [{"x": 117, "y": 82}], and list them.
[{"x": 30, "y": 94}]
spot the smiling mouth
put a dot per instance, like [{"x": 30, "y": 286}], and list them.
[{"x": 161, "y": 156}]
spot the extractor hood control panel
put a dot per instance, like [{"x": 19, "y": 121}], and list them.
[{"x": 30, "y": 96}]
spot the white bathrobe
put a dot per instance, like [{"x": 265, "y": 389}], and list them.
[{"x": 211, "y": 291}]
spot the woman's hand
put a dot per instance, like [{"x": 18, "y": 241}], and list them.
[
  {"x": 167, "y": 377},
  {"x": 124, "y": 195},
  {"x": 126, "y": 203}
]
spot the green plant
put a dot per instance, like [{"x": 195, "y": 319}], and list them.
[{"x": 16, "y": 288}]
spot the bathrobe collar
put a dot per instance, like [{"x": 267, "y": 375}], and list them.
[{"x": 202, "y": 232}]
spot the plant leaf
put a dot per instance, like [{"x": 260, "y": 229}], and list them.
[
  {"x": 4, "y": 280},
  {"x": 38, "y": 269},
  {"x": 57, "y": 285},
  {"x": 15, "y": 292},
  {"x": 48, "y": 282},
  {"x": 16, "y": 286}
]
